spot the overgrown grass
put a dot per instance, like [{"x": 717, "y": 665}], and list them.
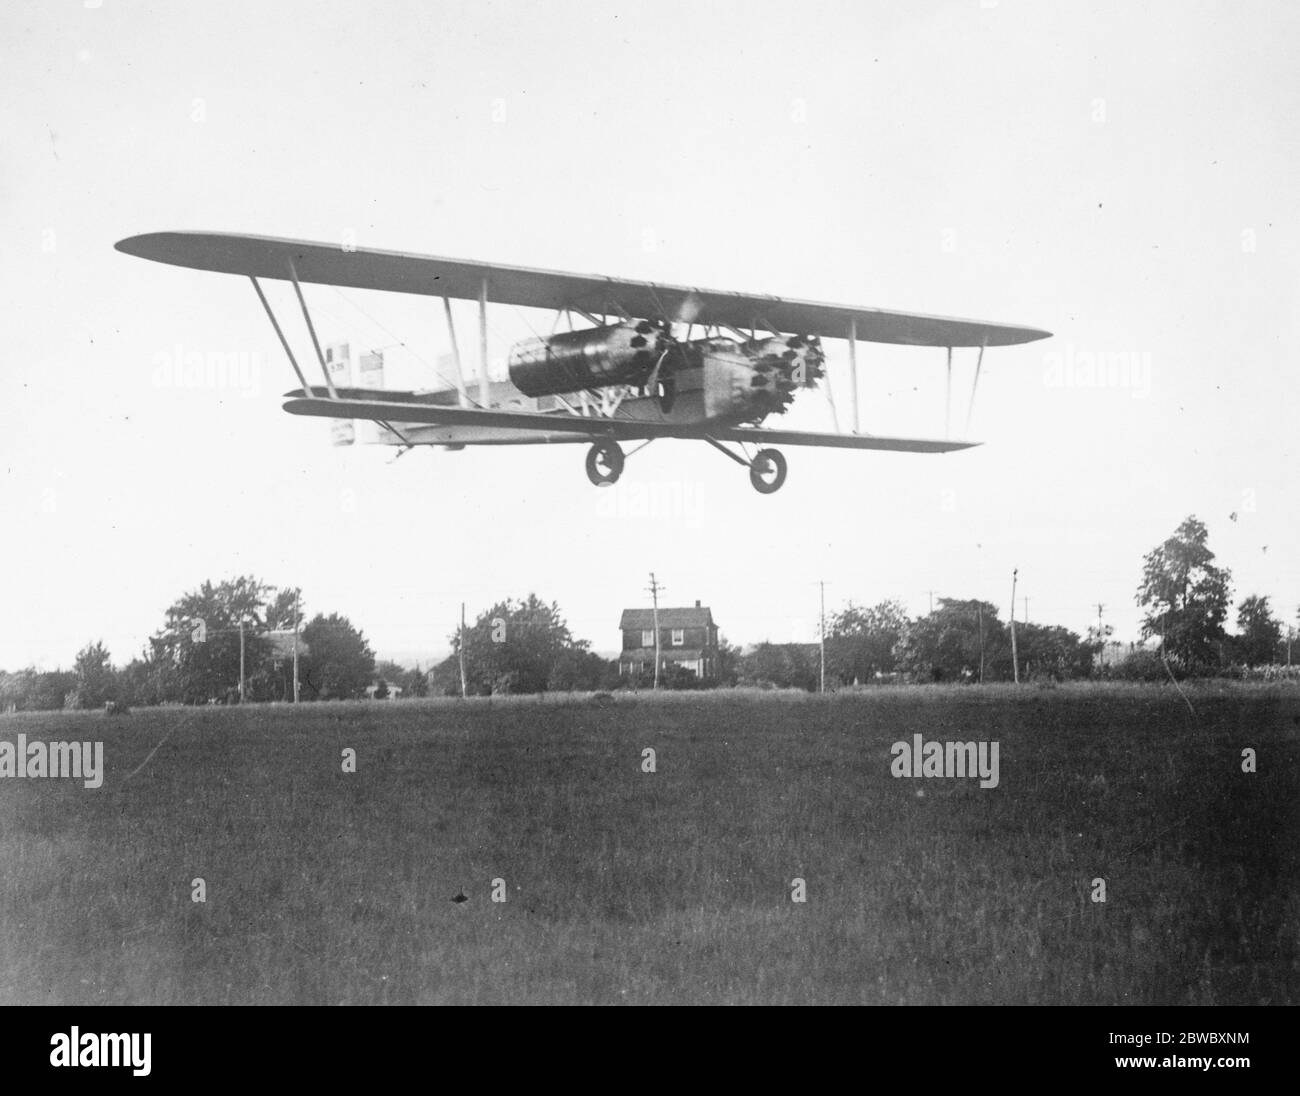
[{"x": 675, "y": 886}]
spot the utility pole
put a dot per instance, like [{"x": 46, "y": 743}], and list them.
[
  {"x": 931, "y": 593},
  {"x": 241, "y": 660},
  {"x": 979, "y": 611},
  {"x": 464, "y": 692},
  {"x": 822, "y": 584},
  {"x": 1101, "y": 639},
  {"x": 655, "y": 589},
  {"x": 1026, "y": 611},
  {"x": 1015, "y": 660},
  {"x": 295, "y": 646}
]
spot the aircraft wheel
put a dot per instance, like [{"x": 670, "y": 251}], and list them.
[
  {"x": 604, "y": 463},
  {"x": 767, "y": 471}
]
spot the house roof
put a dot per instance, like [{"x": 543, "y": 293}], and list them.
[{"x": 695, "y": 617}]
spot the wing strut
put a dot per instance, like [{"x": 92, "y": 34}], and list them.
[
  {"x": 483, "y": 400},
  {"x": 726, "y": 452},
  {"x": 853, "y": 368},
  {"x": 947, "y": 400},
  {"x": 830, "y": 398},
  {"x": 276, "y": 324},
  {"x": 311, "y": 328},
  {"x": 970, "y": 407},
  {"x": 455, "y": 355}
]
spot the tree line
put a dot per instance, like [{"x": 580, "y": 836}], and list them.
[
  {"x": 524, "y": 645},
  {"x": 195, "y": 656}
]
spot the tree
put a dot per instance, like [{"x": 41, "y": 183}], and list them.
[
  {"x": 96, "y": 681},
  {"x": 1048, "y": 650},
  {"x": 144, "y": 681},
  {"x": 860, "y": 641},
  {"x": 729, "y": 657},
  {"x": 1098, "y": 636},
  {"x": 1260, "y": 631},
  {"x": 284, "y": 611},
  {"x": 577, "y": 669},
  {"x": 201, "y": 639},
  {"x": 387, "y": 675},
  {"x": 444, "y": 678},
  {"x": 414, "y": 683},
  {"x": 30, "y": 690},
  {"x": 785, "y": 665},
  {"x": 514, "y": 646},
  {"x": 959, "y": 641},
  {"x": 194, "y": 657},
  {"x": 339, "y": 664},
  {"x": 1186, "y": 597}
]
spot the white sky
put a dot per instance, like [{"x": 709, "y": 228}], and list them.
[{"x": 1124, "y": 175}]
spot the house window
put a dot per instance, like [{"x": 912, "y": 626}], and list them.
[
  {"x": 679, "y": 637},
  {"x": 648, "y": 638}
]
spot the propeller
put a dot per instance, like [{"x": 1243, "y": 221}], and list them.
[
  {"x": 687, "y": 311},
  {"x": 670, "y": 388},
  {"x": 690, "y": 308}
]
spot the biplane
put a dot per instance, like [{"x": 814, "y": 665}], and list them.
[{"x": 635, "y": 362}]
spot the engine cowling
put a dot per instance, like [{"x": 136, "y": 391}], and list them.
[
  {"x": 746, "y": 382},
  {"x": 782, "y": 365},
  {"x": 620, "y": 353}
]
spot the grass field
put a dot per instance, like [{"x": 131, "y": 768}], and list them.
[{"x": 623, "y": 886}]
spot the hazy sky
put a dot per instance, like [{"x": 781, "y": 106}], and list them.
[{"x": 1122, "y": 174}]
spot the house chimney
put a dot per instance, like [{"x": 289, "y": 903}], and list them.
[{"x": 697, "y": 603}]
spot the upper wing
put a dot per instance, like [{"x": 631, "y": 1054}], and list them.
[
  {"x": 393, "y": 411},
  {"x": 366, "y": 268}
]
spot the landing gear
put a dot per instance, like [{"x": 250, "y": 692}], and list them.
[
  {"x": 605, "y": 462},
  {"x": 767, "y": 471}
]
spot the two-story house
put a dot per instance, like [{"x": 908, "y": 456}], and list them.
[{"x": 687, "y": 637}]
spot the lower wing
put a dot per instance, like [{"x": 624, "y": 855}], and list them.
[{"x": 399, "y": 413}]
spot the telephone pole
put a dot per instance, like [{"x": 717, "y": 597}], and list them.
[
  {"x": 241, "y": 660},
  {"x": 822, "y": 584},
  {"x": 655, "y": 589},
  {"x": 1015, "y": 660},
  {"x": 295, "y": 646},
  {"x": 461, "y": 645},
  {"x": 1101, "y": 639}
]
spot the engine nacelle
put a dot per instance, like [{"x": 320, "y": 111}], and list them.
[
  {"x": 782, "y": 365},
  {"x": 746, "y": 382},
  {"x": 571, "y": 361}
]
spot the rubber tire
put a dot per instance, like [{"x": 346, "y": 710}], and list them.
[
  {"x": 613, "y": 456},
  {"x": 762, "y": 458}
]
